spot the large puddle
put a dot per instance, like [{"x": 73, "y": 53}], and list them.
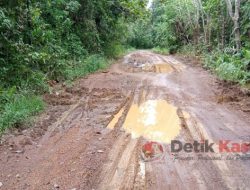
[
  {"x": 159, "y": 68},
  {"x": 154, "y": 68},
  {"x": 155, "y": 120}
]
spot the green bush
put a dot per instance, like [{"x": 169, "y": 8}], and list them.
[
  {"x": 114, "y": 50},
  {"x": 141, "y": 34},
  {"x": 6, "y": 96},
  {"x": 53, "y": 40},
  {"x": 18, "y": 109},
  {"x": 232, "y": 72},
  {"x": 36, "y": 83},
  {"x": 95, "y": 62},
  {"x": 86, "y": 66},
  {"x": 230, "y": 67},
  {"x": 159, "y": 50}
]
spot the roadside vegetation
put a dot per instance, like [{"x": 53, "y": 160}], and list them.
[
  {"x": 164, "y": 51},
  {"x": 216, "y": 30},
  {"x": 18, "y": 108},
  {"x": 56, "y": 40}
]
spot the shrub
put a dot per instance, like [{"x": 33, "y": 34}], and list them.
[
  {"x": 159, "y": 50},
  {"x": 86, "y": 66},
  {"x": 230, "y": 67},
  {"x": 18, "y": 109},
  {"x": 114, "y": 50}
]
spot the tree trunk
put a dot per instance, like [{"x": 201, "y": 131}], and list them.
[
  {"x": 203, "y": 14},
  {"x": 28, "y": 22},
  {"x": 237, "y": 25},
  {"x": 209, "y": 33},
  {"x": 222, "y": 21},
  {"x": 235, "y": 18}
]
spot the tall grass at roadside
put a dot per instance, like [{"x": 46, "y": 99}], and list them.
[
  {"x": 226, "y": 64},
  {"x": 17, "y": 109},
  {"x": 116, "y": 50},
  {"x": 86, "y": 66},
  {"x": 95, "y": 62},
  {"x": 230, "y": 67},
  {"x": 160, "y": 50}
]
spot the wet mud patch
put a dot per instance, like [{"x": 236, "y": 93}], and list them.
[
  {"x": 162, "y": 68},
  {"x": 103, "y": 105},
  {"x": 77, "y": 90},
  {"x": 115, "y": 119},
  {"x": 58, "y": 102},
  {"x": 16, "y": 140},
  {"x": 151, "y": 68},
  {"x": 138, "y": 59},
  {"x": 155, "y": 120},
  {"x": 59, "y": 99},
  {"x": 227, "y": 93},
  {"x": 146, "y": 63}
]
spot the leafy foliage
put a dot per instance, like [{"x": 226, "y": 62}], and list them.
[
  {"x": 56, "y": 40},
  {"x": 141, "y": 34},
  {"x": 159, "y": 50},
  {"x": 233, "y": 68},
  {"x": 199, "y": 27},
  {"x": 86, "y": 66}
]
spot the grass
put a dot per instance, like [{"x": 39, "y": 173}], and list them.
[
  {"x": 229, "y": 67},
  {"x": 116, "y": 50},
  {"x": 89, "y": 65},
  {"x": 94, "y": 63},
  {"x": 160, "y": 50},
  {"x": 19, "y": 109}
]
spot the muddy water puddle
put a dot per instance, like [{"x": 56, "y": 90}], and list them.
[
  {"x": 115, "y": 119},
  {"x": 155, "y": 120},
  {"x": 158, "y": 68},
  {"x": 154, "y": 68}
]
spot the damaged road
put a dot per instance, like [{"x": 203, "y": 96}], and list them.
[{"x": 113, "y": 130}]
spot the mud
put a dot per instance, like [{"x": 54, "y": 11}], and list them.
[
  {"x": 112, "y": 130},
  {"x": 154, "y": 68},
  {"x": 234, "y": 95},
  {"x": 154, "y": 120}
]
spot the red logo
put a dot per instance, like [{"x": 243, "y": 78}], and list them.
[{"x": 152, "y": 151}]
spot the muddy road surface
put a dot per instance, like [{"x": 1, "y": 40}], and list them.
[{"x": 113, "y": 130}]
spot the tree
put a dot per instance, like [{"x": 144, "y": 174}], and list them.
[{"x": 235, "y": 16}]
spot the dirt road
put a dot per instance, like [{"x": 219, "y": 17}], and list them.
[{"x": 113, "y": 129}]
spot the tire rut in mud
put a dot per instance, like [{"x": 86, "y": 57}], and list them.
[{"x": 83, "y": 143}]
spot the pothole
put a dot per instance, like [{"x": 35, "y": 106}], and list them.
[
  {"x": 158, "y": 68},
  {"x": 149, "y": 67},
  {"x": 155, "y": 120}
]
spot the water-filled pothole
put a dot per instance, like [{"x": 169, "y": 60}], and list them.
[
  {"x": 149, "y": 67},
  {"x": 155, "y": 120},
  {"x": 158, "y": 68}
]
